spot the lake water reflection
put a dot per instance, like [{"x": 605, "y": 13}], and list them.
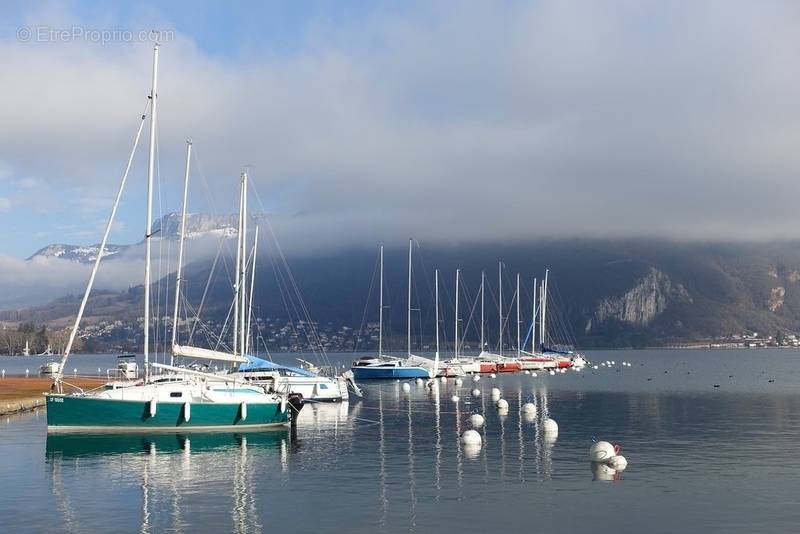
[{"x": 701, "y": 459}]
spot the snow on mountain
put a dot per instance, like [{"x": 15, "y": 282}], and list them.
[
  {"x": 198, "y": 225},
  {"x": 78, "y": 253}
]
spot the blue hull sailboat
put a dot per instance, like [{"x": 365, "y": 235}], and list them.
[{"x": 386, "y": 367}]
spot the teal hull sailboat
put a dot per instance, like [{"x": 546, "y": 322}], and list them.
[
  {"x": 182, "y": 399},
  {"x": 93, "y": 413}
]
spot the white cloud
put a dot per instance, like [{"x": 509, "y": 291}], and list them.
[{"x": 486, "y": 122}]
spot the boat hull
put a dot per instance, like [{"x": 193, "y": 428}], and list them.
[
  {"x": 509, "y": 367},
  {"x": 385, "y": 373},
  {"x": 488, "y": 367},
  {"x": 68, "y": 413}
]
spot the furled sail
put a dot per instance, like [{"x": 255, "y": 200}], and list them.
[{"x": 187, "y": 351}]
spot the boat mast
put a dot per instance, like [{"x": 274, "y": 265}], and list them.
[
  {"x": 243, "y": 299},
  {"x": 500, "y": 307},
  {"x": 458, "y": 272},
  {"x": 73, "y": 333},
  {"x": 179, "y": 271},
  {"x": 436, "y": 356},
  {"x": 544, "y": 308},
  {"x": 409, "y": 297},
  {"x": 237, "y": 284},
  {"x": 541, "y": 313},
  {"x": 252, "y": 292},
  {"x": 533, "y": 324},
  {"x": 380, "y": 312},
  {"x": 518, "y": 322},
  {"x": 483, "y": 276},
  {"x": 148, "y": 235}
]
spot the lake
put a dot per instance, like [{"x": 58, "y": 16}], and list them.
[{"x": 710, "y": 438}]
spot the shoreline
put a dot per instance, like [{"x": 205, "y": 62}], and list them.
[{"x": 21, "y": 394}]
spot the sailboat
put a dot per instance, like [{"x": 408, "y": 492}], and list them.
[
  {"x": 184, "y": 399},
  {"x": 490, "y": 362},
  {"x": 455, "y": 366},
  {"x": 507, "y": 364},
  {"x": 550, "y": 355},
  {"x": 382, "y": 366},
  {"x": 533, "y": 361},
  {"x": 300, "y": 383}
]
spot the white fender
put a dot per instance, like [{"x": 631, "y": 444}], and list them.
[
  {"x": 243, "y": 411},
  {"x": 187, "y": 411},
  {"x": 153, "y": 406}
]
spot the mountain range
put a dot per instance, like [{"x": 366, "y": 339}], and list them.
[
  {"x": 197, "y": 225},
  {"x": 621, "y": 293}
]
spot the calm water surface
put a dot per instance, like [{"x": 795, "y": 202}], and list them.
[{"x": 701, "y": 459}]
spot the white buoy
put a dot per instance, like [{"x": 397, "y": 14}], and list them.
[
  {"x": 27, "y": 372},
  {"x": 471, "y": 437},
  {"x": 454, "y": 398},
  {"x": 476, "y": 392},
  {"x": 552, "y": 373},
  {"x": 529, "y": 417},
  {"x": 406, "y": 387},
  {"x": 458, "y": 381},
  {"x": 617, "y": 462},
  {"x": 472, "y": 451},
  {"x": 613, "y": 362},
  {"x": 4, "y": 373},
  {"x": 496, "y": 393},
  {"x": 493, "y": 375},
  {"x": 443, "y": 379},
  {"x": 563, "y": 371},
  {"x": 420, "y": 381},
  {"x": 501, "y": 404},
  {"x": 529, "y": 407},
  {"x": 75, "y": 371},
  {"x": 476, "y": 420},
  {"x": 601, "y": 451},
  {"x": 549, "y": 426},
  {"x": 595, "y": 367},
  {"x": 534, "y": 375},
  {"x": 476, "y": 378},
  {"x": 603, "y": 472},
  {"x": 526, "y": 372}
]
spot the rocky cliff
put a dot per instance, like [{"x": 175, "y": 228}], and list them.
[{"x": 642, "y": 303}]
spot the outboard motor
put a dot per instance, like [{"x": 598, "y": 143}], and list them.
[{"x": 296, "y": 403}]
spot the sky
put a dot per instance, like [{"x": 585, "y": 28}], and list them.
[{"x": 363, "y": 122}]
